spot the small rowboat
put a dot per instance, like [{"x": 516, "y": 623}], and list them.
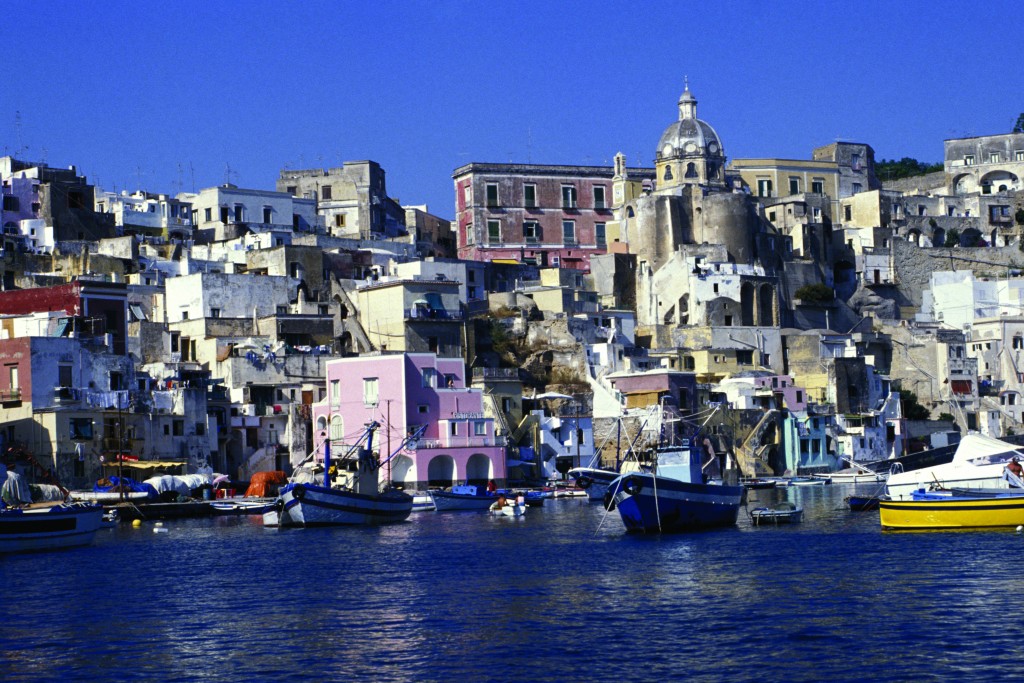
[{"x": 783, "y": 513}]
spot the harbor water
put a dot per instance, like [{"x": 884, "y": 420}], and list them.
[{"x": 562, "y": 594}]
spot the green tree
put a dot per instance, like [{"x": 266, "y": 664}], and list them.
[
  {"x": 912, "y": 410},
  {"x": 953, "y": 238},
  {"x": 815, "y": 293},
  {"x": 904, "y": 168}
]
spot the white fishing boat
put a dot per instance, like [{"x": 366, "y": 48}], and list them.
[
  {"x": 782, "y": 513},
  {"x": 854, "y": 474},
  {"x": 359, "y": 500},
  {"x": 508, "y": 507},
  {"x": 48, "y": 527},
  {"x": 462, "y": 497},
  {"x": 422, "y": 502},
  {"x": 980, "y": 462}
]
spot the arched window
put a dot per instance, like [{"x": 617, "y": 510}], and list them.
[
  {"x": 337, "y": 428},
  {"x": 691, "y": 170},
  {"x": 668, "y": 173}
]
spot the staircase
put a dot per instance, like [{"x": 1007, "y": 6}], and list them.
[{"x": 752, "y": 454}]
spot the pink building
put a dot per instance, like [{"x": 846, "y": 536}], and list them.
[{"x": 402, "y": 392}]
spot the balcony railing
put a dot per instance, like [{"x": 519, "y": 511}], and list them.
[
  {"x": 496, "y": 373},
  {"x": 432, "y": 314},
  {"x": 458, "y": 442},
  {"x": 10, "y": 395}
]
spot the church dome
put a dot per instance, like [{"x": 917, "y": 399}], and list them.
[{"x": 689, "y": 136}]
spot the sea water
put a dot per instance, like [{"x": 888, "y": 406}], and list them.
[{"x": 561, "y": 594}]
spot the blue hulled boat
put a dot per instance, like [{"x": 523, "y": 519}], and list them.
[{"x": 675, "y": 497}]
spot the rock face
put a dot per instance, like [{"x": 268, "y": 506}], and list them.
[{"x": 864, "y": 302}]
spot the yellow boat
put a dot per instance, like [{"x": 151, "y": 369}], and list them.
[{"x": 952, "y": 512}]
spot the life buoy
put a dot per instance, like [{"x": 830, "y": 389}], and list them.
[
  {"x": 299, "y": 492},
  {"x": 609, "y": 500},
  {"x": 633, "y": 485},
  {"x": 584, "y": 482}
]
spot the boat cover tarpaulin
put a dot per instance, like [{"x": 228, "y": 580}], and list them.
[
  {"x": 15, "y": 490},
  {"x": 130, "y": 486},
  {"x": 183, "y": 484},
  {"x": 46, "y": 492},
  {"x": 261, "y": 482}
]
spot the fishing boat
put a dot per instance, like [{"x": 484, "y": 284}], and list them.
[
  {"x": 358, "y": 500},
  {"x": 804, "y": 481},
  {"x": 946, "y": 511},
  {"x": 852, "y": 476},
  {"x": 242, "y": 506},
  {"x": 674, "y": 497},
  {"x": 462, "y": 497},
  {"x": 50, "y": 527},
  {"x": 759, "y": 484},
  {"x": 593, "y": 480},
  {"x": 782, "y": 513},
  {"x": 508, "y": 507},
  {"x": 978, "y": 463}
]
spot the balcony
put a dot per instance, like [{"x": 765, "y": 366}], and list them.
[
  {"x": 433, "y": 314},
  {"x": 496, "y": 373},
  {"x": 458, "y": 442},
  {"x": 10, "y": 395}
]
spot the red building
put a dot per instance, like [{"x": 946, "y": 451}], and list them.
[
  {"x": 549, "y": 216},
  {"x": 92, "y": 308}
]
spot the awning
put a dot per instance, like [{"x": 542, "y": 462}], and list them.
[
  {"x": 552, "y": 394},
  {"x": 961, "y": 386}
]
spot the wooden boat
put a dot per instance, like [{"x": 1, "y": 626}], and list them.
[
  {"x": 512, "y": 507},
  {"x": 674, "y": 497},
  {"x": 758, "y": 484},
  {"x": 783, "y": 513},
  {"x": 851, "y": 476},
  {"x": 862, "y": 503},
  {"x": 462, "y": 497},
  {"x": 804, "y": 481},
  {"x": 422, "y": 502},
  {"x": 946, "y": 511},
  {"x": 50, "y": 527},
  {"x": 360, "y": 501},
  {"x": 242, "y": 506}
]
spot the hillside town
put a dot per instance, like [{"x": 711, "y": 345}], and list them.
[{"x": 799, "y": 313}]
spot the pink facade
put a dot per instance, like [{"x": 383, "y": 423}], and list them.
[
  {"x": 402, "y": 392},
  {"x": 793, "y": 397}
]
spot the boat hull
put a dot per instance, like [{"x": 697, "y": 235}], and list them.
[
  {"x": 761, "y": 516},
  {"x": 955, "y": 512},
  {"x": 593, "y": 480},
  {"x": 309, "y": 505},
  {"x": 853, "y": 478},
  {"x": 60, "y": 526},
  {"x": 445, "y": 501},
  {"x": 647, "y": 503}
]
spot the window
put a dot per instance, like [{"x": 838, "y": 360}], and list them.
[
  {"x": 479, "y": 428},
  {"x": 282, "y": 310},
  {"x": 268, "y": 214},
  {"x": 337, "y": 428},
  {"x": 454, "y": 428},
  {"x": 531, "y": 231},
  {"x": 178, "y": 428},
  {"x": 430, "y": 377},
  {"x": 771, "y": 216},
  {"x": 214, "y": 312},
  {"x": 335, "y": 392},
  {"x": 599, "y": 202},
  {"x": 209, "y": 215},
  {"x": 728, "y": 321},
  {"x": 569, "y": 232},
  {"x": 968, "y": 160},
  {"x": 325, "y": 192},
  {"x": 64, "y": 376},
  {"x": 370, "y": 391},
  {"x": 668, "y": 173},
  {"x": 568, "y": 197},
  {"x": 599, "y": 234},
  {"x": 494, "y": 231},
  {"x": 80, "y": 428},
  {"x": 225, "y": 214},
  {"x": 764, "y": 187},
  {"x": 292, "y": 189},
  {"x": 1018, "y": 155},
  {"x": 11, "y": 203},
  {"x": 530, "y": 196},
  {"x": 993, "y": 158},
  {"x": 467, "y": 194},
  {"x": 794, "y": 185},
  {"x": 492, "y": 194},
  {"x": 855, "y": 162},
  {"x": 239, "y": 213},
  {"x": 818, "y": 186},
  {"x": 745, "y": 357},
  {"x": 423, "y": 409},
  {"x": 856, "y": 188},
  {"x": 847, "y": 215}
]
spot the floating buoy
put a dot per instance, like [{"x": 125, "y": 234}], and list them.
[
  {"x": 160, "y": 530},
  {"x": 136, "y": 523},
  {"x": 1020, "y": 529}
]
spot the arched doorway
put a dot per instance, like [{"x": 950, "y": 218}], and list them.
[
  {"x": 479, "y": 469},
  {"x": 766, "y": 306},
  {"x": 441, "y": 471},
  {"x": 747, "y": 304},
  {"x": 403, "y": 472}
]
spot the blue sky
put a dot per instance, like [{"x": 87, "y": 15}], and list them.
[{"x": 167, "y": 95}]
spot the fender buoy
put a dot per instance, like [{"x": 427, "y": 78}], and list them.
[
  {"x": 633, "y": 485},
  {"x": 584, "y": 482},
  {"x": 299, "y": 492},
  {"x": 609, "y": 501}
]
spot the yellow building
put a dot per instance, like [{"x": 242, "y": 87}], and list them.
[{"x": 786, "y": 177}]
